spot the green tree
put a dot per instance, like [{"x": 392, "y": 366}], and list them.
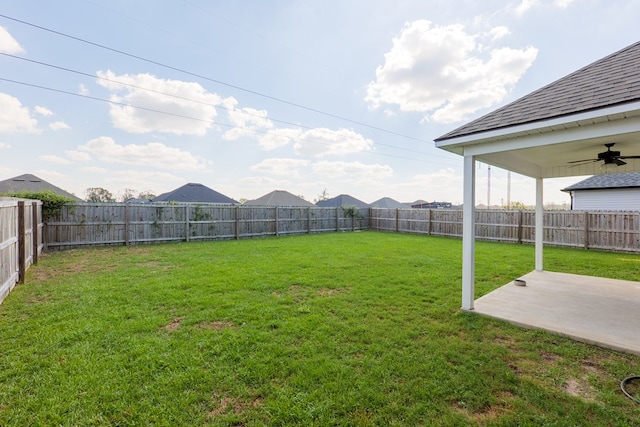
[{"x": 99, "y": 194}]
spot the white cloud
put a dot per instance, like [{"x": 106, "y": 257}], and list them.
[
  {"x": 58, "y": 126},
  {"x": 525, "y": 5},
  {"x": 95, "y": 170},
  {"x": 447, "y": 73},
  {"x": 278, "y": 138},
  {"x": 191, "y": 109},
  {"x": 15, "y": 118},
  {"x": 281, "y": 167},
  {"x": 4, "y": 145},
  {"x": 153, "y": 154},
  {"x": 44, "y": 111},
  {"x": 156, "y": 182},
  {"x": 321, "y": 142},
  {"x": 247, "y": 121},
  {"x": 83, "y": 90},
  {"x": 8, "y": 44},
  {"x": 351, "y": 170},
  {"x": 54, "y": 159},
  {"x": 78, "y": 156}
]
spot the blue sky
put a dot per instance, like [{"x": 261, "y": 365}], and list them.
[{"x": 247, "y": 97}]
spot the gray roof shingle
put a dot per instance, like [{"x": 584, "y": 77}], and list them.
[
  {"x": 279, "y": 198},
  {"x": 28, "y": 182},
  {"x": 612, "y": 80},
  {"x": 342, "y": 200},
  {"x": 608, "y": 181},
  {"x": 193, "y": 193}
]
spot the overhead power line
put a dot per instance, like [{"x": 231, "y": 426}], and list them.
[
  {"x": 123, "y": 104},
  {"x": 200, "y": 76},
  {"x": 217, "y": 106}
]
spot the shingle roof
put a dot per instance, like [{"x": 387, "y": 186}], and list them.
[
  {"x": 614, "y": 79},
  {"x": 279, "y": 198},
  {"x": 342, "y": 200},
  {"x": 193, "y": 193},
  {"x": 388, "y": 203},
  {"x": 608, "y": 181},
  {"x": 28, "y": 182}
]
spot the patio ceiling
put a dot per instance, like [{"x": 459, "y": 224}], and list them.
[{"x": 543, "y": 149}]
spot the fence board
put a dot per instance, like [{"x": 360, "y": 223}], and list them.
[
  {"x": 19, "y": 246},
  {"x": 108, "y": 224}
]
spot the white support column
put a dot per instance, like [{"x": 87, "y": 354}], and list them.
[
  {"x": 469, "y": 233},
  {"x": 539, "y": 224}
]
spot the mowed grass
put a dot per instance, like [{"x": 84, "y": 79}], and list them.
[{"x": 353, "y": 329}]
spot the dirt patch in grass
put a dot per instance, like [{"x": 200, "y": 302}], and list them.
[
  {"x": 232, "y": 405},
  {"x": 579, "y": 388},
  {"x": 216, "y": 326},
  {"x": 329, "y": 292},
  {"x": 173, "y": 325},
  {"x": 488, "y": 413}
]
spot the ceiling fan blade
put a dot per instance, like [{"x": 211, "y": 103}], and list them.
[
  {"x": 629, "y": 157},
  {"x": 619, "y": 162},
  {"x": 584, "y": 161}
]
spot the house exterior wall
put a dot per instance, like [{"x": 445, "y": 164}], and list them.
[{"x": 621, "y": 199}]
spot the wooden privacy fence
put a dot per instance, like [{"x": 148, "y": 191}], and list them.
[
  {"x": 97, "y": 224},
  {"x": 20, "y": 240},
  {"x": 611, "y": 230}
]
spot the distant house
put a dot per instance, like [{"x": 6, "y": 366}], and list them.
[
  {"x": 28, "y": 182},
  {"x": 278, "y": 198},
  {"x": 388, "y": 203},
  {"x": 342, "y": 200},
  {"x": 611, "y": 192},
  {"x": 194, "y": 193},
  {"x": 432, "y": 205}
]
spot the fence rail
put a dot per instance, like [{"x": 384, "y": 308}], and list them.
[
  {"x": 125, "y": 224},
  {"x": 607, "y": 230},
  {"x": 97, "y": 224},
  {"x": 20, "y": 240}
]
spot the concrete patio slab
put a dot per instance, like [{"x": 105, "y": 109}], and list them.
[{"x": 595, "y": 310}]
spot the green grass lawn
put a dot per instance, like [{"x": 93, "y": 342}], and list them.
[{"x": 353, "y": 329}]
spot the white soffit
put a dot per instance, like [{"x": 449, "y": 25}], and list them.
[{"x": 544, "y": 149}]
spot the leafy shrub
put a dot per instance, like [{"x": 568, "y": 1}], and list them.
[{"x": 51, "y": 202}]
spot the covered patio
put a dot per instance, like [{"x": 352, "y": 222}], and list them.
[{"x": 564, "y": 129}]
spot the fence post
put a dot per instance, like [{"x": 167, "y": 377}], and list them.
[
  {"x": 397, "y": 220},
  {"x": 187, "y": 233},
  {"x": 586, "y": 230},
  {"x": 430, "y": 229},
  {"x": 126, "y": 225},
  {"x": 35, "y": 232},
  {"x": 520, "y": 214},
  {"x": 277, "y": 215},
  {"x": 22, "y": 249},
  {"x": 237, "y": 222},
  {"x": 337, "y": 218},
  {"x": 308, "y": 219}
]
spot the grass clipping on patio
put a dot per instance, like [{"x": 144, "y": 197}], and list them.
[{"x": 331, "y": 329}]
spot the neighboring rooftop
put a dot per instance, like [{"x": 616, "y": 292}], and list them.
[
  {"x": 28, "y": 182},
  {"x": 612, "y": 80},
  {"x": 608, "y": 181},
  {"x": 193, "y": 193},
  {"x": 387, "y": 203},
  {"x": 342, "y": 200},
  {"x": 278, "y": 198}
]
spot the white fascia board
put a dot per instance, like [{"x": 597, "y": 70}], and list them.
[
  {"x": 630, "y": 110},
  {"x": 581, "y": 133}
]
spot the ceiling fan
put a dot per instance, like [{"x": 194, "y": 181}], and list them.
[{"x": 609, "y": 157}]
